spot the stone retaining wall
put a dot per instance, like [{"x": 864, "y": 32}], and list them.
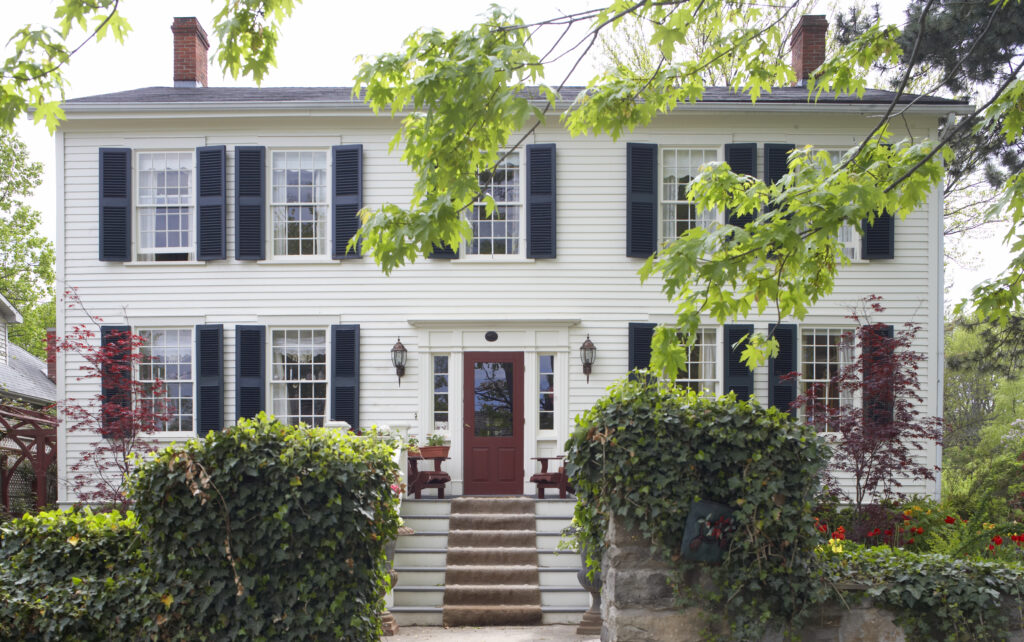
[{"x": 639, "y": 606}]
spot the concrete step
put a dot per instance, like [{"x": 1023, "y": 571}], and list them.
[
  {"x": 558, "y": 576},
  {"x": 419, "y": 595},
  {"x": 422, "y": 576},
  {"x": 420, "y": 557},
  {"x": 555, "y": 508},
  {"x": 548, "y": 540},
  {"x": 565, "y": 596},
  {"x": 432, "y": 616},
  {"x": 425, "y": 539},
  {"x": 427, "y": 523},
  {"x": 413, "y": 507}
]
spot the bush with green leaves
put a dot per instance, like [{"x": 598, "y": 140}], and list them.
[
  {"x": 75, "y": 575},
  {"x": 276, "y": 533},
  {"x": 647, "y": 450},
  {"x": 934, "y": 597}
]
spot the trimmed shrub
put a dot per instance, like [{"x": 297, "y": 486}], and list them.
[
  {"x": 273, "y": 532},
  {"x": 648, "y": 450},
  {"x": 75, "y": 575}
]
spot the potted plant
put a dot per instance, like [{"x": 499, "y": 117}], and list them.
[
  {"x": 413, "y": 447},
  {"x": 437, "y": 446}
]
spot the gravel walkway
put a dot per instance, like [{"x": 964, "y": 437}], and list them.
[{"x": 559, "y": 632}]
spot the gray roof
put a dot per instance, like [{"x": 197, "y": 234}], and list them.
[
  {"x": 24, "y": 376},
  {"x": 155, "y": 95}
]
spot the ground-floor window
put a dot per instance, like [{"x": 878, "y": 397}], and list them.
[
  {"x": 824, "y": 351},
  {"x": 166, "y": 357},
  {"x": 298, "y": 374},
  {"x": 701, "y": 370}
]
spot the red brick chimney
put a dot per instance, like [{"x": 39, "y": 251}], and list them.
[
  {"x": 190, "y": 53},
  {"x": 808, "y": 43},
  {"x": 51, "y": 354}
]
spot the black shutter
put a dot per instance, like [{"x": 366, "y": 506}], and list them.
[
  {"x": 250, "y": 373},
  {"x": 742, "y": 159},
  {"x": 345, "y": 374},
  {"x": 209, "y": 378},
  {"x": 776, "y": 159},
  {"x": 211, "y": 201},
  {"x": 115, "y": 373},
  {"x": 540, "y": 201},
  {"x": 444, "y": 252},
  {"x": 640, "y": 335},
  {"x": 115, "y": 204},
  {"x": 878, "y": 240},
  {"x": 348, "y": 197},
  {"x": 878, "y": 400},
  {"x": 250, "y": 203},
  {"x": 781, "y": 394},
  {"x": 738, "y": 377},
  {"x": 641, "y": 199}
]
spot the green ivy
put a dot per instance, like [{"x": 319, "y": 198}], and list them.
[
  {"x": 935, "y": 597},
  {"x": 648, "y": 450}
]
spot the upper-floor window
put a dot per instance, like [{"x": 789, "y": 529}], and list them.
[
  {"x": 166, "y": 357},
  {"x": 299, "y": 203},
  {"x": 848, "y": 235},
  {"x": 824, "y": 351},
  {"x": 298, "y": 376},
  {"x": 501, "y": 233},
  {"x": 165, "y": 207},
  {"x": 679, "y": 167},
  {"x": 701, "y": 370}
]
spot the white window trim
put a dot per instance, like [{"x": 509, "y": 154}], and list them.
[
  {"x": 136, "y": 220},
  {"x": 172, "y": 434},
  {"x": 836, "y": 154},
  {"x": 719, "y": 388},
  {"x": 269, "y": 366},
  {"x": 319, "y": 258},
  {"x": 719, "y": 157},
  {"x": 842, "y": 327},
  {"x": 520, "y": 257}
]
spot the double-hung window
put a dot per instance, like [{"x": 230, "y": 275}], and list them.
[
  {"x": 299, "y": 203},
  {"x": 165, "y": 207},
  {"x": 298, "y": 376},
  {"x": 679, "y": 167},
  {"x": 848, "y": 234},
  {"x": 166, "y": 357},
  {"x": 701, "y": 370},
  {"x": 501, "y": 233},
  {"x": 824, "y": 351}
]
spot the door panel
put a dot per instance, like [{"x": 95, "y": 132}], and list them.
[{"x": 493, "y": 431}]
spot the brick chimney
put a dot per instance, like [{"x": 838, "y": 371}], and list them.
[
  {"x": 51, "y": 354},
  {"x": 190, "y": 53},
  {"x": 808, "y": 43}
]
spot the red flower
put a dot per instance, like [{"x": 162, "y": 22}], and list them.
[
  {"x": 920, "y": 531},
  {"x": 991, "y": 548},
  {"x": 997, "y": 540},
  {"x": 396, "y": 489},
  {"x": 910, "y": 541},
  {"x": 950, "y": 520},
  {"x": 888, "y": 532},
  {"x": 875, "y": 532},
  {"x": 821, "y": 527}
]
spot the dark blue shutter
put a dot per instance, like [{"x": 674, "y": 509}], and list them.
[
  {"x": 115, "y": 373},
  {"x": 209, "y": 378},
  {"x": 640, "y": 335},
  {"x": 345, "y": 374},
  {"x": 348, "y": 197},
  {"x": 212, "y": 202},
  {"x": 250, "y": 203},
  {"x": 879, "y": 397},
  {"x": 444, "y": 252},
  {"x": 776, "y": 161},
  {"x": 540, "y": 201},
  {"x": 782, "y": 394},
  {"x": 878, "y": 240},
  {"x": 742, "y": 159},
  {"x": 115, "y": 204},
  {"x": 250, "y": 373},
  {"x": 641, "y": 199},
  {"x": 738, "y": 377}
]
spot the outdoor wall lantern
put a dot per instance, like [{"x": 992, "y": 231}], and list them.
[
  {"x": 398, "y": 357},
  {"x": 588, "y": 354}
]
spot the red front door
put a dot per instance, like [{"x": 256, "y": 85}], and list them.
[{"x": 493, "y": 412}]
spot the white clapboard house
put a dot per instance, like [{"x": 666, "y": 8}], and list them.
[{"x": 214, "y": 222}]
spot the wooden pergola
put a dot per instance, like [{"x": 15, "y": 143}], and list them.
[{"x": 26, "y": 436}]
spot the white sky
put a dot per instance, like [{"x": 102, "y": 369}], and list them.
[{"x": 318, "y": 48}]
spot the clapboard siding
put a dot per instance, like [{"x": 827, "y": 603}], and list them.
[{"x": 591, "y": 279}]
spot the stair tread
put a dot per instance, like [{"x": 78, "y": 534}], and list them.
[{"x": 438, "y": 609}]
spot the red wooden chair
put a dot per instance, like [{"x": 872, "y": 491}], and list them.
[{"x": 545, "y": 480}]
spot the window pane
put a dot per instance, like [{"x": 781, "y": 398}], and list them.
[
  {"x": 165, "y": 364},
  {"x": 298, "y": 375},
  {"x": 299, "y": 203},
  {"x": 700, "y": 372},
  {"x": 440, "y": 393},
  {"x": 498, "y": 234},
  {"x": 165, "y": 205}
]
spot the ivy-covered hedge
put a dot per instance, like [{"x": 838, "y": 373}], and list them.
[
  {"x": 259, "y": 532},
  {"x": 648, "y": 450}
]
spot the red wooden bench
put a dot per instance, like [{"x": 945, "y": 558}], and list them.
[
  {"x": 421, "y": 479},
  {"x": 545, "y": 480}
]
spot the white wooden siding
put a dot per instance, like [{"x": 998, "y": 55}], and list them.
[{"x": 592, "y": 280}]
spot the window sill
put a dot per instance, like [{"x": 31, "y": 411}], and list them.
[
  {"x": 493, "y": 259},
  {"x": 161, "y": 263},
  {"x": 284, "y": 260},
  {"x": 172, "y": 434}
]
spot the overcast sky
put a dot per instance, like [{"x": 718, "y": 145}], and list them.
[{"x": 318, "y": 48}]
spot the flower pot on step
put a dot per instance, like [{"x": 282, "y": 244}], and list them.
[{"x": 434, "y": 451}]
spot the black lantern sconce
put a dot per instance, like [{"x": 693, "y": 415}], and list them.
[
  {"x": 399, "y": 355},
  {"x": 588, "y": 354}
]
